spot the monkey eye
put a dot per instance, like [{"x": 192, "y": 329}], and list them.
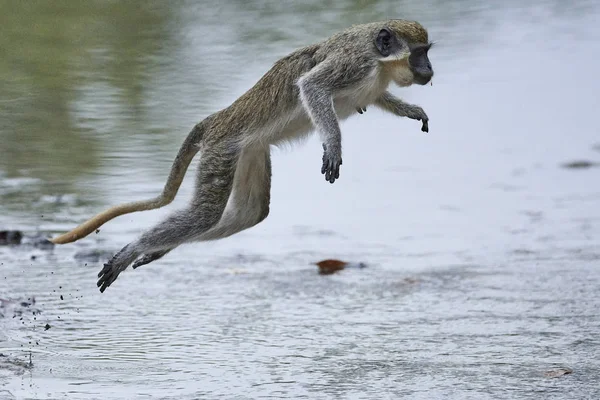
[{"x": 419, "y": 50}]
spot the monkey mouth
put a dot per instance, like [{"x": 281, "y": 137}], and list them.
[{"x": 421, "y": 79}]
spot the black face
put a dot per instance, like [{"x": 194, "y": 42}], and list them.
[{"x": 420, "y": 64}]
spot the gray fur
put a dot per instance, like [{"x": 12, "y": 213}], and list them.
[
  {"x": 388, "y": 102},
  {"x": 312, "y": 88}
]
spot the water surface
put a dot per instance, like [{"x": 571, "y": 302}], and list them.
[{"x": 482, "y": 249}]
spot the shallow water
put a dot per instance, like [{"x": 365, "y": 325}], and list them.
[{"x": 482, "y": 247}]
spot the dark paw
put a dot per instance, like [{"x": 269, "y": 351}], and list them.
[
  {"x": 107, "y": 276},
  {"x": 361, "y": 110},
  {"x": 113, "y": 268},
  {"x": 331, "y": 165},
  {"x": 419, "y": 114}
]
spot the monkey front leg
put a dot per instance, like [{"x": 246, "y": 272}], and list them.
[
  {"x": 390, "y": 103},
  {"x": 317, "y": 99}
]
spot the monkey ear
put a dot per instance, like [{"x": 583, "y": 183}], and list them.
[{"x": 384, "y": 42}]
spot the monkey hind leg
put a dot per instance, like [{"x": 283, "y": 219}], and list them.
[
  {"x": 213, "y": 187},
  {"x": 248, "y": 204}
]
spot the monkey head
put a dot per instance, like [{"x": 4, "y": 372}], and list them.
[{"x": 402, "y": 47}]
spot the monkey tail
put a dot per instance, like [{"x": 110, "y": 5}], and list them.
[{"x": 187, "y": 151}]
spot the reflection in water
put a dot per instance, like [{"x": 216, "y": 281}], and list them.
[
  {"x": 55, "y": 54},
  {"x": 482, "y": 250}
]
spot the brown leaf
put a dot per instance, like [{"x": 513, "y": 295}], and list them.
[{"x": 330, "y": 266}]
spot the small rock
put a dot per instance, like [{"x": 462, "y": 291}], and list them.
[
  {"x": 17, "y": 238},
  {"x": 555, "y": 373},
  {"x": 10, "y": 237},
  {"x": 580, "y": 164}
]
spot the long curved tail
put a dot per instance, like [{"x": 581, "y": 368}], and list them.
[{"x": 187, "y": 151}]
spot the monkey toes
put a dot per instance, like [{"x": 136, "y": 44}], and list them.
[
  {"x": 107, "y": 275},
  {"x": 114, "y": 267}
]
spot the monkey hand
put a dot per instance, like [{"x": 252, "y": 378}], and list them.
[
  {"x": 419, "y": 114},
  {"x": 332, "y": 159},
  {"x": 361, "y": 110}
]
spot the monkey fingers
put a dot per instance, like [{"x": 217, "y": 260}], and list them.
[
  {"x": 361, "y": 110},
  {"x": 330, "y": 167}
]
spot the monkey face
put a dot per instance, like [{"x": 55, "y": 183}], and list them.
[
  {"x": 408, "y": 62},
  {"x": 419, "y": 64}
]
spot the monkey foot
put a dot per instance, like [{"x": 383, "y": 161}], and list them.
[
  {"x": 113, "y": 268},
  {"x": 107, "y": 276}
]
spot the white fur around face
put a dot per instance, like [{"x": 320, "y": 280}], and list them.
[
  {"x": 399, "y": 71},
  {"x": 400, "y": 56},
  {"x": 402, "y": 76}
]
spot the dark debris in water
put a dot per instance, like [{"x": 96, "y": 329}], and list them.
[
  {"x": 580, "y": 164},
  {"x": 331, "y": 266},
  {"x": 18, "y": 307},
  {"x": 42, "y": 243}
]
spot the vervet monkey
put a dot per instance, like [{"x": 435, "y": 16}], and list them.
[{"x": 313, "y": 88}]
